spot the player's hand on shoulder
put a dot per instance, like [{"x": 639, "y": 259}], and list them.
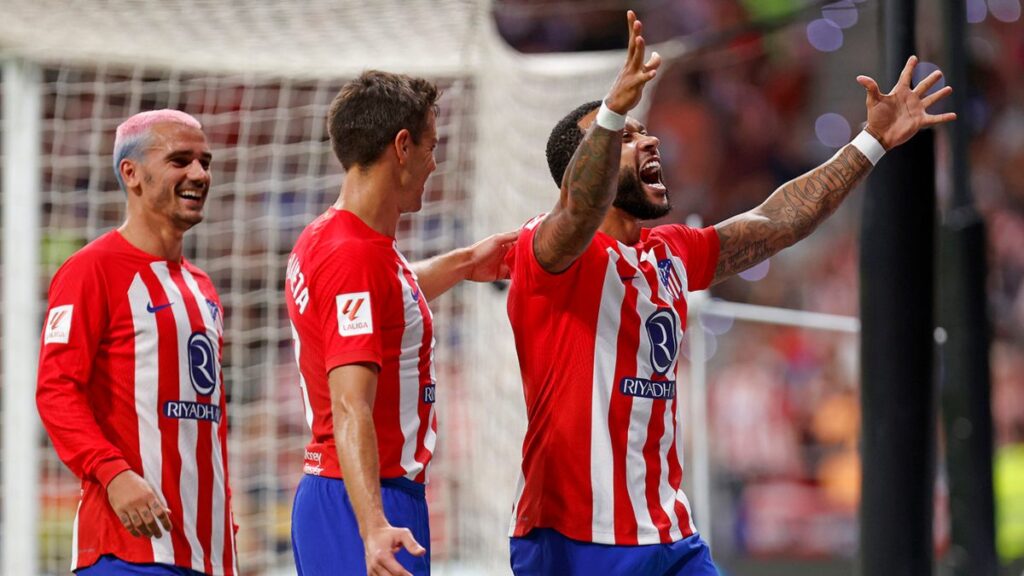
[
  {"x": 895, "y": 117},
  {"x": 629, "y": 85},
  {"x": 487, "y": 257},
  {"x": 381, "y": 545},
  {"x": 138, "y": 507}
]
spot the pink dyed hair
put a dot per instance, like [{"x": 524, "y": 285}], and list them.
[{"x": 133, "y": 132}]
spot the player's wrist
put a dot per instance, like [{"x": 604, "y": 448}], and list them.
[
  {"x": 869, "y": 145},
  {"x": 610, "y": 119},
  {"x": 878, "y": 136}
]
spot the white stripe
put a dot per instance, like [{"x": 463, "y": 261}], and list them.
[
  {"x": 74, "y": 538},
  {"x": 666, "y": 495},
  {"x": 219, "y": 489},
  {"x": 520, "y": 485},
  {"x": 605, "y": 344},
  {"x": 188, "y": 430},
  {"x": 639, "y": 420},
  {"x": 147, "y": 389},
  {"x": 307, "y": 405},
  {"x": 409, "y": 378}
]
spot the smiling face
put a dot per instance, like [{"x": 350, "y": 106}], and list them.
[
  {"x": 171, "y": 180},
  {"x": 641, "y": 192}
]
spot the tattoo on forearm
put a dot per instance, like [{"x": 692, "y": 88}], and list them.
[
  {"x": 588, "y": 190},
  {"x": 790, "y": 214}
]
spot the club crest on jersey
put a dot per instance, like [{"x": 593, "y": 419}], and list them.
[
  {"x": 669, "y": 278},
  {"x": 58, "y": 324},
  {"x": 661, "y": 332},
  {"x": 354, "y": 314},
  {"x": 202, "y": 364}
]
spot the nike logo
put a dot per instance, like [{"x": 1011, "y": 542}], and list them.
[
  {"x": 416, "y": 295},
  {"x": 154, "y": 309},
  {"x": 627, "y": 278}
]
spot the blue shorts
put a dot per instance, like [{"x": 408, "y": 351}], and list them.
[
  {"x": 108, "y": 564},
  {"x": 325, "y": 533},
  {"x": 544, "y": 551}
]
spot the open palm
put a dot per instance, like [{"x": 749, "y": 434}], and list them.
[{"x": 895, "y": 117}]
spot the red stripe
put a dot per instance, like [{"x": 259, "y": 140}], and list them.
[
  {"x": 167, "y": 365},
  {"x": 655, "y": 430},
  {"x": 675, "y": 474},
  {"x": 422, "y": 454},
  {"x": 204, "y": 444},
  {"x": 620, "y": 410}
]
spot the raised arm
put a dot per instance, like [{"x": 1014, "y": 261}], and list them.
[
  {"x": 481, "y": 262},
  {"x": 353, "y": 388},
  {"x": 797, "y": 207},
  {"x": 589, "y": 183}
]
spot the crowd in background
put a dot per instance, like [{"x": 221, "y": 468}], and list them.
[{"x": 737, "y": 120}]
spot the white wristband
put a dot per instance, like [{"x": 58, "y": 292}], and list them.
[
  {"x": 609, "y": 119},
  {"x": 869, "y": 147}
]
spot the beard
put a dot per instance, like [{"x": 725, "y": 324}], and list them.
[{"x": 631, "y": 199}]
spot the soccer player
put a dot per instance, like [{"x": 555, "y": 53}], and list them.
[
  {"x": 130, "y": 387},
  {"x": 364, "y": 337},
  {"x": 598, "y": 307}
]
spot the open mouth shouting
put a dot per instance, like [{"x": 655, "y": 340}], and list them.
[{"x": 650, "y": 175}]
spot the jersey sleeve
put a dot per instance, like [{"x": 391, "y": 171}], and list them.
[
  {"x": 350, "y": 290},
  {"x": 75, "y": 323},
  {"x": 527, "y": 271},
  {"x": 698, "y": 248}
]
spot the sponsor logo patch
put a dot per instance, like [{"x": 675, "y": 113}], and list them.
[
  {"x": 645, "y": 388},
  {"x": 661, "y": 332},
  {"x": 354, "y": 315},
  {"x": 58, "y": 325},
  {"x": 202, "y": 364},
  {"x": 192, "y": 411},
  {"x": 428, "y": 394}
]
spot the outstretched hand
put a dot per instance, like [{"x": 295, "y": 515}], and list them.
[
  {"x": 895, "y": 117},
  {"x": 629, "y": 85}
]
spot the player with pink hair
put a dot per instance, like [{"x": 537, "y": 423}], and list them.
[{"x": 130, "y": 386}]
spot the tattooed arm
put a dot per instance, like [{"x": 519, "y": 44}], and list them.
[
  {"x": 790, "y": 214},
  {"x": 793, "y": 211},
  {"x": 590, "y": 179}
]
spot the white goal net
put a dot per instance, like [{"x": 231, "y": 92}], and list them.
[{"x": 259, "y": 75}]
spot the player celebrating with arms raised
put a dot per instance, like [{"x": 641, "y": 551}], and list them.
[
  {"x": 130, "y": 387},
  {"x": 598, "y": 307}
]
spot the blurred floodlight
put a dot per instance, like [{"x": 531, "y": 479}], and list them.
[
  {"x": 832, "y": 130},
  {"x": 1005, "y": 10},
  {"x": 756, "y": 272},
  {"x": 710, "y": 343},
  {"x": 824, "y": 35},
  {"x": 843, "y": 13},
  {"x": 976, "y": 11},
  {"x": 716, "y": 324}
]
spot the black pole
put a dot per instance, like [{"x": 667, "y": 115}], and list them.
[
  {"x": 897, "y": 394},
  {"x": 963, "y": 317}
]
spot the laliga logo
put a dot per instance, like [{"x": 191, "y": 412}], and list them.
[
  {"x": 202, "y": 363},
  {"x": 661, "y": 331}
]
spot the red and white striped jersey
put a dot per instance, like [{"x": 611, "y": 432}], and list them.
[
  {"x": 130, "y": 378},
  {"x": 598, "y": 348},
  {"x": 352, "y": 297}
]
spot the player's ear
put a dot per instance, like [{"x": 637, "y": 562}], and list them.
[
  {"x": 129, "y": 173},
  {"x": 401, "y": 143}
]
